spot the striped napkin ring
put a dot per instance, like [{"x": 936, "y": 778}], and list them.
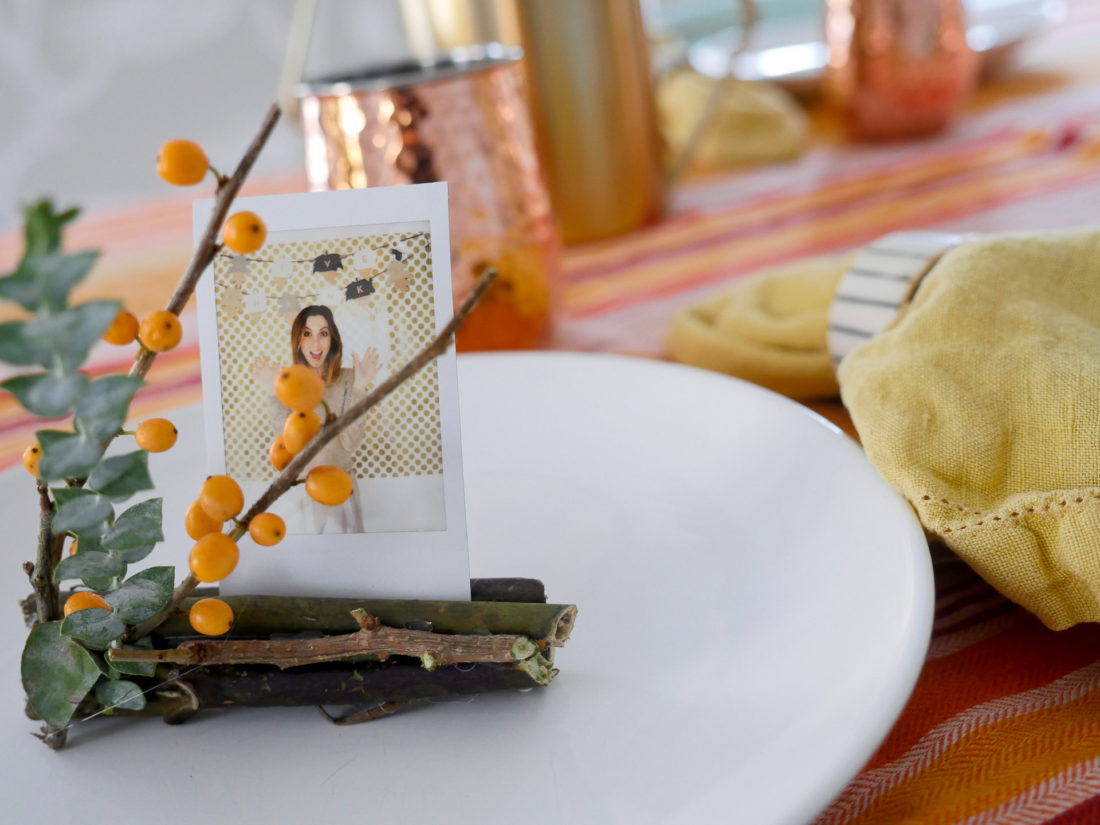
[{"x": 881, "y": 280}]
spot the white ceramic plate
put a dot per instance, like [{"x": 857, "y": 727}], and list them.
[{"x": 754, "y": 608}]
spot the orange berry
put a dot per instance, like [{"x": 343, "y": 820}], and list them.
[
  {"x": 267, "y": 529},
  {"x": 160, "y": 331},
  {"x": 213, "y": 557},
  {"x": 182, "y": 162},
  {"x": 299, "y": 428},
  {"x": 244, "y": 232},
  {"x": 299, "y": 387},
  {"x": 72, "y": 547},
  {"x": 82, "y": 600},
  {"x": 328, "y": 485},
  {"x": 31, "y": 456},
  {"x": 221, "y": 497},
  {"x": 211, "y": 617},
  {"x": 156, "y": 435},
  {"x": 279, "y": 454},
  {"x": 197, "y": 523},
  {"x": 122, "y": 330}
]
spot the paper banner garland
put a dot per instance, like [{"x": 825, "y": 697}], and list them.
[
  {"x": 329, "y": 267},
  {"x": 254, "y": 305},
  {"x": 334, "y": 267},
  {"x": 281, "y": 270},
  {"x": 330, "y": 296},
  {"x": 398, "y": 275},
  {"x": 359, "y": 289},
  {"x": 232, "y": 302},
  {"x": 288, "y": 306}
]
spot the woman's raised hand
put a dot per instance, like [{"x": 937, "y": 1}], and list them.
[
  {"x": 264, "y": 372},
  {"x": 365, "y": 369}
]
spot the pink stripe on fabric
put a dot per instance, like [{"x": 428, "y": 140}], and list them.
[
  {"x": 869, "y": 786},
  {"x": 952, "y": 643},
  {"x": 1049, "y": 798}
]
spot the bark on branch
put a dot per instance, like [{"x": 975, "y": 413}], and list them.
[
  {"x": 41, "y": 574},
  {"x": 374, "y": 639},
  {"x": 264, "y": 616}
]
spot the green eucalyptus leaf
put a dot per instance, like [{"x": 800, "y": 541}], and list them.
[
  {"x": 143, "y": 594},
  {"x": 90, "y": 564},
  {"x": 94, "y": 626},
  {"x": 137, "y": 527},
  {"x": 42, "y": 227},
  {"x": 81, "y": 512},
  {"x": 60, "y": 342},
  {"x": 84, "y": 326},
  {"x": 105, "y": 404},
  {"x": 120, "y": 476},
  {"x": 45, "y": 281},
  {"x": 121, "y": 694},
  {"x": 20, "y": 345},
  {"x": 67, "y": 455},
  {"x": 57, "y": 673},
  {"x": 135, "y": 554},
  {"x": 89, "y": 544},
  {"x": 105, "y": 666},
  {"x": 134, "y": 668},
  {"x": 47, "y": 395}
]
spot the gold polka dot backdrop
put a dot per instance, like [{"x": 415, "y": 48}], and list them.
[{"x": 376, "y": 301}]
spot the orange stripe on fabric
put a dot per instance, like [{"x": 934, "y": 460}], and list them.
[
  {"x": 832, "y": 232},
  {"x": 989, "y": 151},
  {"x": 1024, "y": 657},
  {"x": 987, "y": 767},
  {"x": 1060, "y": 793}
]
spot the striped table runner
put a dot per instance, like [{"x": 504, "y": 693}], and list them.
[{"x": 1004, "y": 723}]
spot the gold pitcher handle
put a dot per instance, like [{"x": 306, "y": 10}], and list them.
[{"x": 679, "y": 164}]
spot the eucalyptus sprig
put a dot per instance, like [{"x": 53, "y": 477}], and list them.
[
  {"x": 79, "y": 485},
  {"x": 81, "y": 488}
]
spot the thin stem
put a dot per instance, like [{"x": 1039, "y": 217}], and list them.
[
  {"x": 221, "y": 179},
  {"x": 45, "y": 591},
  {"x": 208, "y": 245},
  {"x": 294, "y": 471}
]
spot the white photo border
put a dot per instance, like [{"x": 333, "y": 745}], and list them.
[{"x": 408, "y": 565}]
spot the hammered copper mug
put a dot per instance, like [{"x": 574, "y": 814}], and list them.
[
  {"x": 460, "y": 118},
  {"x": 897, "y": 68}
]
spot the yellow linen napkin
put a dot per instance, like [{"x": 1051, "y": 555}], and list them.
[
  {"x": 751, "y": 122},
  {"x": 981, "y": 404},
  {"x": 769, "y": 329}
]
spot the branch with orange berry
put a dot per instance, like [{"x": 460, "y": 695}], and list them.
[{"x": 94, "y": 646}]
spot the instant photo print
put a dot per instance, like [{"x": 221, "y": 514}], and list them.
[{"x": 346, "y": 284}]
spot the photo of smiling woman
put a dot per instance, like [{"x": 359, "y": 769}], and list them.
[{"x": 316, "y": 343}]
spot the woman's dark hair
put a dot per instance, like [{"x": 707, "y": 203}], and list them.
[{"x": 331, "y": 367}]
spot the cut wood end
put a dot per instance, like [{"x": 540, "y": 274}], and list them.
[
  {"x": 563, "y": 625},
  {"x": 523, "y": 648},
  {"x": 539, "y": 669}
]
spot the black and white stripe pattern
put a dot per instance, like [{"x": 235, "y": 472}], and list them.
[{"x": 879, "y": 283}]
